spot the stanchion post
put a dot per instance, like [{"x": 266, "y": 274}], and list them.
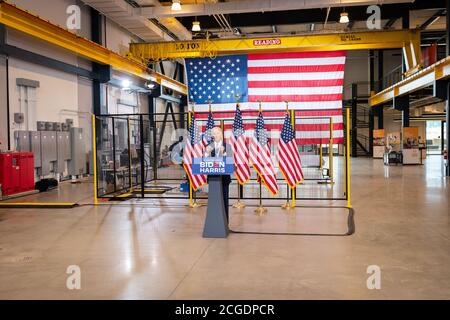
[
  {"x": 287, "y": 205},
  {"x": 141, "y": 140},
  {"x": 348, "y": 158},
  {"x": 320, "y": 157},
  {"x": 345, "y": 169},
  {"x": 330, "y": 152},
  {"x": 130, "y": 169},
  {"x": 94, "y": 154},
  {"x": 294, "y": 190},
  {"x": 260, "y": 210},
  {"x": 239, "y": 204},
  {"x": 113, "y": 125}
]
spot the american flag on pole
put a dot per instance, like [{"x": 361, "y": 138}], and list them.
[
  {"x": 312, "y": 83},
  {"x": 260, "y": 156},
  {"x": 209, "y": 125},
  {"x": 288, "y": 155},
  {"x": 240, "y": 148},
  {"x": 194, "y": 149}
]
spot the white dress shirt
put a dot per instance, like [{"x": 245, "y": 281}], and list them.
[{"x": 217, "y": 147}]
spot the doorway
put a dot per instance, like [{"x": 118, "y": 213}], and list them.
[{"x": 434, "y": 137}]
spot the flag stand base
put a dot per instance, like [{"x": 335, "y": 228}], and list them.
[
  {"x": 196, "y": 205},
  {"x": 260, "y": 210},
  {"x": 239, "y": 205},
  {"x": 286, "y": 206}
]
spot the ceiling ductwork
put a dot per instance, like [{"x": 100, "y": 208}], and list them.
[
  {"x": 172, "y": 24},
  {"x": 246, "y": 6},
  {"x": 128, "y": 17}
]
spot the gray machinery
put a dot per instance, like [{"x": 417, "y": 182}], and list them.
[
  {"x": 48, "y": 151},
  {"x": 63, "y": 150},
  {"x": 41, "y": 126},
  {"x": 22, "y": 138},
  {"x": 35, "y": 144},
  {"x": 77, "y": 163},
  {"x": 29, "y": 141},
  {"x": 49, "y": 126},
  {"x": 52, "y": 149}
]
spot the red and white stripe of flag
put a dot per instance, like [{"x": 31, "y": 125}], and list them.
[
  {"x": 240, "y": 155},
  {"x": 191, "y": 152},
  {"x": 312, "y": 82},
  {"x": 262, "y": 162},
  {"x": 289, "y": 162}
]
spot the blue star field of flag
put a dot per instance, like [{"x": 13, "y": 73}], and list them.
[
  {"x": 238, "y": 125},
  {"x": 209, "y": 125},
  {"x": 194, "y": 132},
  {"x": 287, "y": 133},
  {"x": 217, "y": 80},
  {"x": 261, "y": 132}
]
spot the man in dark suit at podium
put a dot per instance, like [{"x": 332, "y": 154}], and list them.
[{"x": 218, "y": 148}]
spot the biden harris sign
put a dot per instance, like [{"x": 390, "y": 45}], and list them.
[{"x": 213, "y": 166}]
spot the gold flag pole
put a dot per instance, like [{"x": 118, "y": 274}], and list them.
[
  {"x": 192, "y": 195},
  {"x": 287, "y": 205},
  {"x": 294, "y": 189},
  {"x": 260, "y": 210},
  {"x": 330, "y": 154},
  {"x": 209, "y": 105},
  {"x": 239, "y": 204},
  {"x": 330, "y": 179},
  {"x": 320, "y": 157},
  {"x": 191, "y": 203}
]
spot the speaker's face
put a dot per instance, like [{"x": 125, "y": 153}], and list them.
[{"x": 217, "y": 134}]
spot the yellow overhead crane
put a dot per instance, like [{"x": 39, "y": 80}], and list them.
[
  {"x": 408, "y": 40},
  {"x": 33, "y": 25}
]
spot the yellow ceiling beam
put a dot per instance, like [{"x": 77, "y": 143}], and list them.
[
  {"x": 423, "y": 78},
  {"x": 409, "y": 40},
  {"x": 33, "y": 25}
]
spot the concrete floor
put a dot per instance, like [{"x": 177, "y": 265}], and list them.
[{"x": 142, "y": 251}]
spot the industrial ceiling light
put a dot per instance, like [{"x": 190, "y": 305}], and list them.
[
  {"x": 344, "y": 17},
  {"x": 150, "y": 85},
  {"x": 126, "y": 84},
  {"x": 176, "y": 5},
  {"x": 196, "y": 26}
]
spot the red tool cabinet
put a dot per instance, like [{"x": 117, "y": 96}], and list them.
[{"x": 16, "y": 172}]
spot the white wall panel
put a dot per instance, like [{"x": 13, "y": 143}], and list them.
[{"x": 58, "y": 91}]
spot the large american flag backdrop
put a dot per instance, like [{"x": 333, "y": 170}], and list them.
[{"x": 312, "y": 83}]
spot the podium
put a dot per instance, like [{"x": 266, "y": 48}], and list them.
[{"x": 216, "y": 224}]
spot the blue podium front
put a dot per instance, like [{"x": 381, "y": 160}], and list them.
[
  {"x": 213, "y": 166},
  {"x": 216, "y": 224}
]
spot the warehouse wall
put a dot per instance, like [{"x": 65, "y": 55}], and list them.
[
  {"x": 58, "y": 91},
  {"x": 61, "y": 95},
  {"x": 55, "y": 11},
  {"x": 356, "y": 70},
  {"x": 84, "y": 110},
  {"x": 57, "y": 98}
]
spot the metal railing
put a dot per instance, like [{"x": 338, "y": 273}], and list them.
[{"x": 128, "y": 164}]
